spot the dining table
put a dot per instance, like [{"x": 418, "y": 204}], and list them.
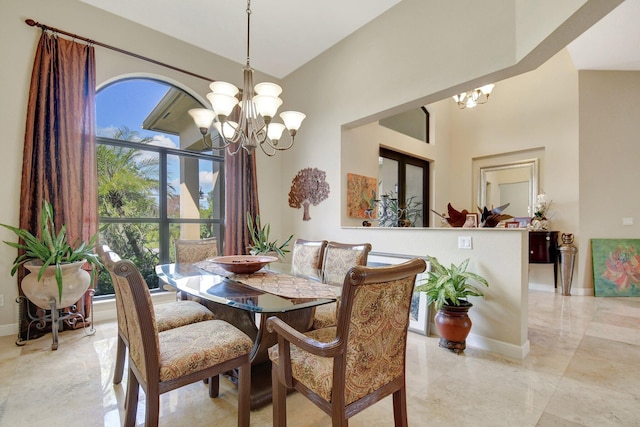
[{"x": 248, "y": 300}]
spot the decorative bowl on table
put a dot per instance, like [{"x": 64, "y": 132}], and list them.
[{"x": 243, "y": 264}]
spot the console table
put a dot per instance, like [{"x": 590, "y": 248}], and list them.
[{"x": 543, "y": 249}]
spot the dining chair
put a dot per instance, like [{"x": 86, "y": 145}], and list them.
[
  {"x": 338, "y": 259},
  {"x": 163, "y": 361},
  {"x": 195, "y": 250},
  {"x": 347, "y": 368},
  {"x": 190, "y": 251},
  {"x": 307, "y": 256},
  {"x": 167, "y": 316}
]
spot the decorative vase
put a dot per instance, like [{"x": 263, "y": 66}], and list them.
[
  {"x": 75, "y": 282},
  {"x": 567, "y": 252},
  {"x": 454, "y": 325},
  {"x": 539, "y": 224}
]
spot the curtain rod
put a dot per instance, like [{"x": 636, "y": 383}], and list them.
[{"x": 32, "y": 23}]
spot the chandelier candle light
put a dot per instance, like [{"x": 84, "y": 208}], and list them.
[
  {"x": 474, "y": 97},
  {"x": 256, "y": 110}
]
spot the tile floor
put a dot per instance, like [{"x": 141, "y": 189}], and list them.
[{"x": 582, "y": 370}]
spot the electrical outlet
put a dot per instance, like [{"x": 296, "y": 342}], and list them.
[
  {"x": 627, "y": 221},
  {"x": 464, "y": 242},
  {"x": 1, "y": 300}
]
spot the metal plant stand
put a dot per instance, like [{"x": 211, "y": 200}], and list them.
[{"x": 54, "y": 316}]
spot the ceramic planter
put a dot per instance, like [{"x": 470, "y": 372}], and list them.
[
  {"x": 75, "y": 281},
  {"x": 454, "y": 325}
]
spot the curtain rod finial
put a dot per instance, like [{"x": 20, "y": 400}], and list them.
[{"x": 30, "y": 22}]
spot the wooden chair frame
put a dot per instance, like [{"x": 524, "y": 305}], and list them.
[
  {"x": 153, "y": 387},
  {"x": 339, "y": 411},
  {"x": 109, "y": 259}
]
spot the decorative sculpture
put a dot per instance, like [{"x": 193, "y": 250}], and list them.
[
  {"x": 488, "y": 218},
  {"x": 309, "y": 186},
  {"x": 455, "y": 218},
  {"x": 491, "y": 218}
]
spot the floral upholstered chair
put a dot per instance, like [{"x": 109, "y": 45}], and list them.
[
  {"x": 346, "y": 368},
  {"x": 338, "y": 259},
  {"x": 190, "y": 251},
  {"x": 163, "y": 361},
  {"x": 307, "y": 256},
  {"x": 195, "y": 250},
  {"x": 167, "y": 316}
]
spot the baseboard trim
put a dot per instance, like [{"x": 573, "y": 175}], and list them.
[
  {"x": 506, "y": 349},
  {"x": 9, "y": 329}
]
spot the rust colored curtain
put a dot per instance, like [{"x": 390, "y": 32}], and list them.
[
  {"x": 241, "y": 196},
  {"x": 59, "y": 160}
]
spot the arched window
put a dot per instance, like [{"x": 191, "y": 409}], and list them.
[{"x": 157, "y": 180}]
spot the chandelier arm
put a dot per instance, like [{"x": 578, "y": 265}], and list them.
[
  {"x": 268, "y": 153},
  {"x": 277, "y": 147},
  {"x": 213, "y": 147},
  {"x": 234, "y": 152}
]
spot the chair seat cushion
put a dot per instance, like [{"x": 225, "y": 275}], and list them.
[
  {"x": 325, "y": 316},
  {"x": 198, "y": 346},
  {"x": 179, "y": 313},
  {"x": 315, "y": 372}
]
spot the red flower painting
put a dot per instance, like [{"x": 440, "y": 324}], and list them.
[{"x": 623, "y": 268}]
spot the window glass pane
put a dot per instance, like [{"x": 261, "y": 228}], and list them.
[
  {"x": 211, "y": 189},
  {"x": 137, "y": 242},
  {"x": 414, "y": 191},
  {"x": 388, "y": 177},
  {"x": 194, "y": 188},
  {"x": 127, "y": 182}
]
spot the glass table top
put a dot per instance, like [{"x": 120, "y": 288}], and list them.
[{"x": 229, "y": 289}]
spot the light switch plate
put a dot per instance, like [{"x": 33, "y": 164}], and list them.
[{"x": 464, "y": 242}]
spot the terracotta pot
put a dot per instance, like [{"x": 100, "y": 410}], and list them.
[
  {"x": 75, "y": 282},
  {"x": 454, "y": 325}
]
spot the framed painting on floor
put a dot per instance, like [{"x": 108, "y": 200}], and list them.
[{"x": 616, "y": 267}]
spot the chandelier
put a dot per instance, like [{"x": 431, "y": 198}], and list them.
[
  {"x": 246, "y": 123},
  {"x": 474, "y": 97}
]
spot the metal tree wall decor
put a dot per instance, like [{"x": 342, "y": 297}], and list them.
[{"x": 308, "y": 187}]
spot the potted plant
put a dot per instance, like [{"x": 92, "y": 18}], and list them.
[
  {"x": 392, "y": 214},
  {"x": 260, "y": 239},
  {"x": 55, "y": 266},
  {"x": 448, "y": 289}
]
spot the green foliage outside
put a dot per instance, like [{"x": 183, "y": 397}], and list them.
[{"x": 127, "y": 179}]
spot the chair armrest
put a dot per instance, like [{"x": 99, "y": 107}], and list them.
[{"x": 323, "y": 349}]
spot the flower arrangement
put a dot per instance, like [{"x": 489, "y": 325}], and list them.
[{"x": 542, "y": 207}]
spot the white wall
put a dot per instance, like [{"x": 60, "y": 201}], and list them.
[{"x": 609, "y": 153}]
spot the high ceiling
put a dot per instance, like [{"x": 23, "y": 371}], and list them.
[
  {"x": 286, "y": 34},
  {"x": 613, "y": 43}
]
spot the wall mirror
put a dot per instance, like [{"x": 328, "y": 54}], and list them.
[{"x": 515, "y": 183}]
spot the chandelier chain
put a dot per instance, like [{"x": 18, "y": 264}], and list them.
[
  {"x": 243, "y": 119},
  {"x": 248, "y": 29}
]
